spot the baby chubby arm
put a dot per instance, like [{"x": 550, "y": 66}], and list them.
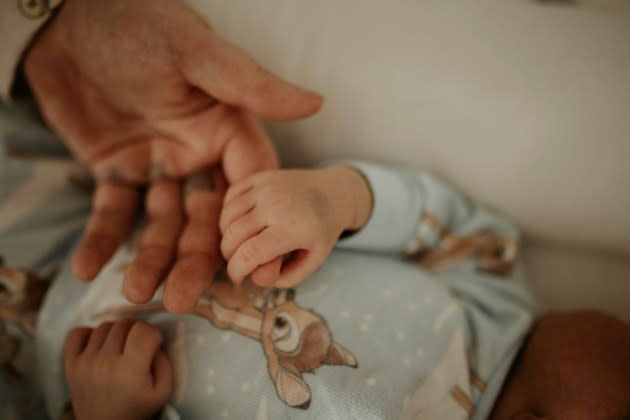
[{"x": 293, "y": 214}]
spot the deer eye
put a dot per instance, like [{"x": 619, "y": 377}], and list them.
[
  {"x": 280, "y": 322},
  {"x": 285, "y": 333}
]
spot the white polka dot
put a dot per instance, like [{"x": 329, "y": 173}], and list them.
[
  {"x": 346, "y": 314},
  {"x": 323, "y": 287},
  {"x": 387, "y": 293},
  {"x": 211, "y": 372},
  {"x": 244, "y": 387},
  {"x": 406, "y": 362},
  {"x": 420, "y": 352},
  {"x": 226, "y": 337},
  {"x": 225, "y": 414},
  {"x": 368, "y": 317},
  {"x": 428, "y": 300},
  {"x": 412, "y": 307},
  {"x": 371, "y": 381},
  {"x": 210, "y": 390},
  {"x": 364, "y": 327},
  {"x": 201, "y": 339},
  {"x": 401, "y": 336}
]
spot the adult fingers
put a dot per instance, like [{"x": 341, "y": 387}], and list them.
[
  {"x": 158, "y": 243},
  {"x": 226, "y": 72},
  {"x": 113, "y": 209},
  {"x": 250, "y": 151},
  {"x": 258, "y": 250},
  {"x": 186, "y": 282},
  {"x": 198, "y": 247}
]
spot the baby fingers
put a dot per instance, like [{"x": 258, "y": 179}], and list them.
[
  {"x": 267, "y": 275},
  {"x": 236, "y": 208},
  {"x": 266, "y": 246},
  {"x": 240, "y": 231}
]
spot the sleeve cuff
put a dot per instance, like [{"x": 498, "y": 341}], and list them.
[
  {"x": 19, "y": 22},
  {"x": 397, "y": 206}
]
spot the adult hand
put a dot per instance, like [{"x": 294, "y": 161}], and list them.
[{"x": 145, "y": 91}]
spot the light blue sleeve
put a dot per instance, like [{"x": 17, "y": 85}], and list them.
[
  {"x": 41, "y": 213},
  {"x": 402, "y": 199}
]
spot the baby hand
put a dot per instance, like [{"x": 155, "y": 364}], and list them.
[
  {"x": 291, "y": 215},
  {"x": 117, "y": 371}
]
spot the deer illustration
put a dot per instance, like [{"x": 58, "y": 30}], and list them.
[
  {"x": 9, "y": 350},
  {"x": 447, "y": 393},
  {"x": 492, "y": 252},
  {"x": 21, "y": 295},
  {"x": 294, "y": 340}
]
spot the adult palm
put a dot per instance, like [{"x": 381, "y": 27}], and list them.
[{"x": 145, "y": 92}]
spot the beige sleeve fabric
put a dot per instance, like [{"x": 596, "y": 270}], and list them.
[{"x": 19, "y": 22}]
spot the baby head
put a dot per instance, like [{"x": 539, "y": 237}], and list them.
[{"x": 573, "y": 366}]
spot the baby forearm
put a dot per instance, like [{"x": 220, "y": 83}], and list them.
[{"x": 354, "y": 196}]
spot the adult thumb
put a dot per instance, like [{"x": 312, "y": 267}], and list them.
[{"x": 228, "y": 74}]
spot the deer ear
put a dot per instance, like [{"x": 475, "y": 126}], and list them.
[
  {"x": 337, "y": 355},
  {"x": 291, "y": 388}
]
